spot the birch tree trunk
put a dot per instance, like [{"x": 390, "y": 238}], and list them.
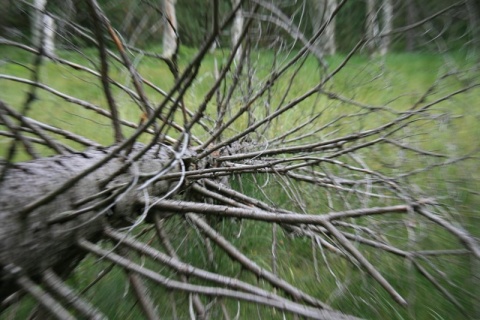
[
  {"x": 43, "y": 28},
  {"x": 387, "y": 12},
  {"x": 330, "y": 47},
  {"x": 170, "y": 30},
  {"x": 236, "y": 30}
]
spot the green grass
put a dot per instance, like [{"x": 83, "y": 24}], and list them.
[{"x": 404, "y": 79}]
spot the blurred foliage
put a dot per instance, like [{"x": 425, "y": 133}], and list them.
[{"x": 140, "y": 21}]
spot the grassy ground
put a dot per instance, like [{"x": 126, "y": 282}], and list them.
[{"x": 397, "y": 81}]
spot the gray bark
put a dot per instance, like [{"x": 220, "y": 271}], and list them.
[
  {"x": 411, "y": 19},
  {"x": 46, "y": 237},
  {"x": 379, "y": 43},
  {"x": 321, "y": 12},
  {"x": 371, "y": 26}
]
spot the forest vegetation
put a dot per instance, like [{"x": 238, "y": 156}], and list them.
[{"x": 239, "y": 159}]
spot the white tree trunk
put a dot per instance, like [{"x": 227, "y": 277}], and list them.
[
  {"x": 170, "y": 30},
  {"x": 49, "y": 43},
  {"x": 237, "y": 28},
  {"x": 38, "y": 22},
  {"x": 387, "y": 10},
  {"x": 43, "y": 28}
]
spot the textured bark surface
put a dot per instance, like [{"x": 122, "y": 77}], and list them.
[{"x": 45, "y": 238}]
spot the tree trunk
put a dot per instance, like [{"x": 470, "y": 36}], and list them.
[
  {"x": 46, "y": 237},
  {"x": 43, "y": 28},
  {"x": 322, "y": 12},
  {"x": 330, "y": 47},
  {"x": 371, "y": 26},
  {"x": 170, "y": 30},
  {"x": 411, "y": 33},
  {"x": 387, "y": 10},
  {"x": 49, "y": 44},
  {"x": 237, "y": 28}
]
